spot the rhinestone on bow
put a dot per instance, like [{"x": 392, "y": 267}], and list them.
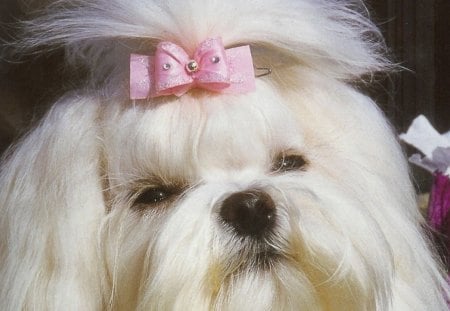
[{"x": 192, "y": 66}]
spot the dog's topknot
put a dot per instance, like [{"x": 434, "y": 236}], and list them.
[{"x": 304, "y": 34}]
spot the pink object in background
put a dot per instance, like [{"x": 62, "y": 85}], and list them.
[
  {"x": 439, "y": 205},
  {"x": 435, "y": 158}
]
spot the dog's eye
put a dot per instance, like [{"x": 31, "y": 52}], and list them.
[
  {"x": 286, "y": 163},
  {"x": 152, "y": 196}
]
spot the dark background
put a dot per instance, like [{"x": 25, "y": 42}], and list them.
[
  {"x": 418, "y": 35},
  {"x": 416, "y": 31}
]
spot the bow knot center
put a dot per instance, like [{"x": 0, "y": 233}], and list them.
[{"x": 192, "y": 66}]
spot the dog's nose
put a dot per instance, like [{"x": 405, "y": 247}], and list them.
[{"x": 250, "y": 213}]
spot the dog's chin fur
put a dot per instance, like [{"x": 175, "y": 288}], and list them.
[{"x": 347, "y": 234}]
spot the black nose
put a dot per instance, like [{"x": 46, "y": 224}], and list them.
[{"x": 250, "y": 213}]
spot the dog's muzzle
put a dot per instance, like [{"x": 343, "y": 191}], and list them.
[{"x": 249, "y": 213}]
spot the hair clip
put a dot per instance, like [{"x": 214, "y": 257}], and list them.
[
  {"x": 265, "y": 71},
  {"x": 171, "y": 71}
]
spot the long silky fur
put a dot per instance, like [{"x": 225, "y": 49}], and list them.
[{"x": 348, "y": 234}]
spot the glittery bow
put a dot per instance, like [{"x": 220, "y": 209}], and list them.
[{"x": 172, "y": 71}]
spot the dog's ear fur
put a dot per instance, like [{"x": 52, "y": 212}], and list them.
[{"x": 51, "y": 192}]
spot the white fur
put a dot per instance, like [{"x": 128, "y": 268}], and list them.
[{"x": 348, "y": 231}]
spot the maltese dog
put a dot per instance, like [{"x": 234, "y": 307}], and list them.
[{"x": 219, "y": 156}]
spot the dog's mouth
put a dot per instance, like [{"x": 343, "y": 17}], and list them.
[
  {"x": 253, "y": 254},
  {"x": 252, "y": 260},
  {"x": 265, "y": 260}
]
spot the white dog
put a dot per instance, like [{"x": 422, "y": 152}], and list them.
[{"x": 293, "y": 195}]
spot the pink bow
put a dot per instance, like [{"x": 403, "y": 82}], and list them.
[{"x": 172, "y": 71}]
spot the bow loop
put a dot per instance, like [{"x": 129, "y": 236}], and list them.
[
  {"x": 169, "y": 69},
  {"x": 172, "y": 71},
  {"x": 213, "y": 73}
]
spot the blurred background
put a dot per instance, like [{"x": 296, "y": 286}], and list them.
[
  {"x": 418, "y": 35},
  {"x": 416, "y": 31}
]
